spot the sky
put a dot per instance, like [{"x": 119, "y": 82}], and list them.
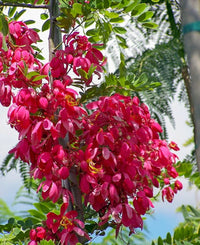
[{"x": 164, "y": 218}]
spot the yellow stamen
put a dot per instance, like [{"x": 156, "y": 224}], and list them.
[
  {"x": 92, "y": 167},
  {"x": 65, "y": 222},
  {"x": 71, "y": 101},
  {"x": 98, "y": 113}
]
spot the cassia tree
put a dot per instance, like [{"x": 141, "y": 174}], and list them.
[{"x": 93, "y": 149}]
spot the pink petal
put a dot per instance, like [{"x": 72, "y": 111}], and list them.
[
  {"x": 100, "y": 137},
  {"x": 63, "y": 172},
  {"x": 129, "y": 211},
  {"x": 46, "y": 185},
  {"x": 79, "y": 231},
  {"x": 43, "y": 102},
  {"x": 117, "y": 177},
  {"x": 47, "y": 124},
  {"x": 54, "y": 192},
  {"x": 69, "y": 126},
  {"x": 106, "y": 153},
  {"x": 113, "y": 193}
]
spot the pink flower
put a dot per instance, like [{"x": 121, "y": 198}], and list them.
[
  {"x": 22, "y": 35},
  {"x": 5, "y": 93},
  {"x": 168, "y": 193},
  {"x": 174, "y": 146},
  {"x": 71, "y": 226},
  {"x": 81, "y": 63},
  {"x": 36, "y": 235},
  {"x": 178, "y": 185},
  {"x": 19, "y": 118},
  {"x": 57, "y": 67}
]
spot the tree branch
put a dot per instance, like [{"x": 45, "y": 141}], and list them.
[
  {"x": 55, "y": 38},
  {"x": 23, "y": 5},
  {"x": 190, "y": 14}
]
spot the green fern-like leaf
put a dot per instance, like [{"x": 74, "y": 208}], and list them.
[
  {"x": 24, "y": 170},
  {"x": 8, "y": 164},
  {"x": 11, "y": 163}
]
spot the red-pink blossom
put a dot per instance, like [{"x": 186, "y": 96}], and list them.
[
  {"x": 168, "y": 193},
  {"x": 70, "y": 224},
  {"x": 124, "y": 159},
  {"x": 36, "y": 235},
  {"x": 22, "y": 35}
]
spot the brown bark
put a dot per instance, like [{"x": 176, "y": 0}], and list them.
[
  {"x": 190, "y": 11},
  {"x": 71, "y": 183},
  {"x": 55, "y": 37}
]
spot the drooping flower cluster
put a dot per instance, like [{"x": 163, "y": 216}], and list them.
[
  {"x": 17, "y": 60},
  {"x": 114, "y": 147},
  {"x": 80, "y": 55},
  {"x": 123, "y": 160},
  {"x": 41, "y": 119}
]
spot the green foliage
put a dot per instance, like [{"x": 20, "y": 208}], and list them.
[
  {"x": 19, "y": 14},
  {"x": 186, "y": 233},
  {"x": 162, "y": 65},
  {"x": 188, "y": 170},
  {"x": 189, "y": 141},
  {"x": 113, "y": 84},
  {"x": 43, "y": 242},
  {"x": 123, "y": 238},
  {"x": 105, "y": 17},
  {"x": 15, "y": 226},
  {"x": 15, "y": 230},
  {"x": 3, "y": 24},
  {"x": 44, "y": 16},
  {"x": 22, "y": 197},
  {"x": 46, "y": 25},
  {"x": 22, "y": 1},
  {"x": 10, "y": 163},
  {"x": 26, "y": 198},
  {"x": 5, "y": 212}
]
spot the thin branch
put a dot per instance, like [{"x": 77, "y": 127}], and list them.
[{"x": 23, "y": 5}]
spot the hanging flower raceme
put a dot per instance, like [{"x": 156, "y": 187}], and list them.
[
  {"x": 19, "y": 67},
  {"x": 80, "y": 55},
  {"x": 124, "y": 160},
  {"x": 42, "y": 119}
]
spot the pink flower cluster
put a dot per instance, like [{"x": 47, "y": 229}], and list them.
[
  {"x": 17, "y": 60},
  {"x": 123, "y": 160},
  {"x": 114, "y": 146},
  {"x": 80, "y": 55}
]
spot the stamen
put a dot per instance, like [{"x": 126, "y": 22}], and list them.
[
  {"x": 65, "y": 222},
  {"x": 92, "y": 167},
  {"x": 71, "y": 101}
]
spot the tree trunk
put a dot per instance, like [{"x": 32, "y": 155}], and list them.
[
  {"x": 190, "y": 12},
  {"x": 55, "y": 40},
  {"x": 55, "y": 37}
]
